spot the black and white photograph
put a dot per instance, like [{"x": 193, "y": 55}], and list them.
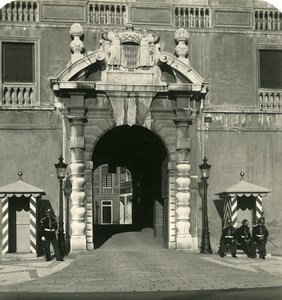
[{"x": 140, "y": 149}]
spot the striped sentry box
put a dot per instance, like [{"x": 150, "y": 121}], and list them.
[
  {"x": 259, "y": 210},
  {"x": 5, "y": 225},
  {"x": 230, "y": 210},
  {"x": 32, "y": 216}
]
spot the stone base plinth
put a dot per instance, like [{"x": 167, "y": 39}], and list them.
[
  {"x": 78, "y": 243},
  {"x": 184, "y": 242},
  {"x": 195, "y": 243}
]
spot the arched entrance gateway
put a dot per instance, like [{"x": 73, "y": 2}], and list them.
[
  {"x": 131, "y": 106},
  {"x": 141, "y": 152}
]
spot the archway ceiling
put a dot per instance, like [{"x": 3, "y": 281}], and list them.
[{"x": 133, "y": 147}]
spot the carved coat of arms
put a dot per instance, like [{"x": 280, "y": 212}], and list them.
[{"x": 129, "y": 49}]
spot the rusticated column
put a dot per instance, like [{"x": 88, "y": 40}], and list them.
[
  {"x": 78, "y": 224},
  {"x": 182, "y": 122}
]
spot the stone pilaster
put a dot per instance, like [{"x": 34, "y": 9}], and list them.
[
  {"x": 182, "y": 122},
  {"x": 78, "y": 211},
  {"x": 89, "y": 204}
]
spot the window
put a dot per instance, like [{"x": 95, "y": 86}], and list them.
[
  {"x": 19, "y": 65},
  {"x": 107, "y": 215},
  {"x": 18, "y": 62},
  {"x": 270, "y": 69},
  {"x": 107, "y": 178}
]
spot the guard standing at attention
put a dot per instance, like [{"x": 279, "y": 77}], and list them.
[
  {"x": 260, "y": 234},
  {"x": 228, "y": 240},
  {"x": 49, "y": 227},
  {"x": 245, "y": 239}
]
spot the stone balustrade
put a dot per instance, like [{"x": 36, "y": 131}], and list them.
[
  {"x": 17, "y": 95},
  {"x": 192, "y": 17},
  {"x": 268, "y": 19},
  {"x": 106, "y": 190},
  {"x": 20, "y": 11},
  {"x": 107, "y": 13},
  {"x": 270, "y": 100},
  {"x": 117, "y": 14}
]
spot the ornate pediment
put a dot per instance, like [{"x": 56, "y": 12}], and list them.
[
  {"x": 127, "y": 49},
  {"x": 128, "y": 57}
]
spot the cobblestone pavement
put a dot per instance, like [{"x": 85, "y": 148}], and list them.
[{"x": 119, "y": 266}]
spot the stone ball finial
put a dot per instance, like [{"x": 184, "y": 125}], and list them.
[
  {"x": 76, "y": 30},
  {"x": 242, "y": 174},
  {"x": 181, "y": 50},
  {"x": 20, "y": 174},
  {"x": 76, "y": 46},
  {"x": 181, "y": 34}
]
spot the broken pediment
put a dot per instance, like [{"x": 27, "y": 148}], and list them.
[{"x": 130, "y": 57}]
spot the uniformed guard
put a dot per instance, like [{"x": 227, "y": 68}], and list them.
[
  {"x": 228, "y": 240},
  {"x": 49, "y": 227},
  {"x": 260, "y": 234},
  {"x": 245, "y": 239}
]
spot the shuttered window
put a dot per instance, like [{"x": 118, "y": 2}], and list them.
[
  {"x": 271, "y": 69},
  {"x": 18, "y": 62}
]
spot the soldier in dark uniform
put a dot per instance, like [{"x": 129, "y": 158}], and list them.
[
  {"x": 48, "y": 232},
  {"x": 260, "y": 234},
  {"x": 245, "y": 239},
  {"x": 228, "y": 240}
]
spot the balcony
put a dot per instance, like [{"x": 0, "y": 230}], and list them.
[
  {"x": 268, "y": 20},
  {"x": 18, "y": 95},
  {"x": 192, "y": 17},
  {"x": 107, "y": 13},
  {"x": 20, "y": 11},
  {"x": 270, "y": 99}
]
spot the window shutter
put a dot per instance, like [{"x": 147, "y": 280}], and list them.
[
  {"x": 18, "y": 62},
  {"x": 271, "y": 69}
]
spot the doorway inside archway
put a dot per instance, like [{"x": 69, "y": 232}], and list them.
[{"x": 129, "y": 183}]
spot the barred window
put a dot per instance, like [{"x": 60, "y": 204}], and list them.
[
  {"x": 270, "y": 69},
  {"x": 18, "y": 62}
]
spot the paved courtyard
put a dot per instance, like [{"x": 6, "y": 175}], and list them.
[{"x": 135, "y": 261}]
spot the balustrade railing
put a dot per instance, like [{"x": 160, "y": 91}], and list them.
[
  {"x": 18, "y": 96},
  {"x": 107, "y": 190},
  {"x": 192, "y": 17},
  {"x": 107, "y": 14},
  {"x": 270, "y": 100},
  {"x": 268, "y": 20},
  {"x": 20, "y": 11}
]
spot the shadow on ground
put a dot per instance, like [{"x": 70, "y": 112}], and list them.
[{"x": 102, "y": 233}]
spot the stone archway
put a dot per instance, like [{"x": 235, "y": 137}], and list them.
[
  {"x": 143, "y": 153},
  {"x": 104, "y": 89}
]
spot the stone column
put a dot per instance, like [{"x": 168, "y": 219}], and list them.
[
  {"x": 78, "y": 222},
  {"x": 182, "y": 122}
]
